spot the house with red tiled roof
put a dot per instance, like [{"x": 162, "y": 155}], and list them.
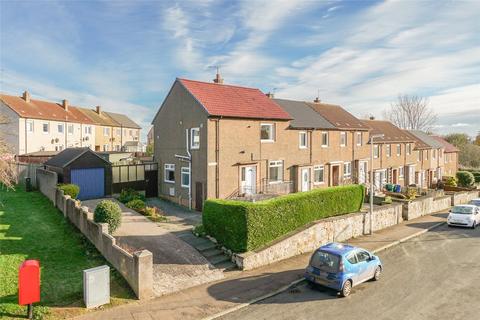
[
  {"x": 34, "y": 125},
  {"x": 450, "y": 156}
]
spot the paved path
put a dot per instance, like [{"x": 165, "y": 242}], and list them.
[
  {"x": 434, "y": 276},
  {"x": 240, "y": 288},
  {"x": 176, "y": 264}
]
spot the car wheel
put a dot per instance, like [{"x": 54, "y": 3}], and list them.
[
  {"x": 377, "y": 274},
  {"x": 347, "y": 289},
  {"x": 474, "y": 225}
]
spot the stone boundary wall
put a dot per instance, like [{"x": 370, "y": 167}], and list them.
[
  {"x": 464, "y": 197},
  {"x": 424, "y": 205},
  {"x": 314, "y": 235},
  {"x": 47, "y": 183},
  {"x": 136, "y": 268}
]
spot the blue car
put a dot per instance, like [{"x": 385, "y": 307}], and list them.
[{"x": 341, "y": 267}]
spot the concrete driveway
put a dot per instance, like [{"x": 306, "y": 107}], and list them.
[{"x": 176, "y": 264}]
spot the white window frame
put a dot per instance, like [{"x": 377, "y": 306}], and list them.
[
  {"x": 68, "y": 129},
  {"x": 60, "y": 125},
  {"x": 376, "y": 151},
  {"x": 388, "y": 150},
  {"x": 420, "y": 154},
  {"x": 409, "y": 149},
  {"x": 347, "y": 173},
  {"x": 105, "y": 147},
  {"x": 194, "y": 145},
  {"x": 343, "y": 139},
  {"x": 434, "y": 154},
  {"x": 118, "y": 132},
  {"x": 300, "y": 140},
  {"x": 275, "y": 164},
  {"x": 48, "y": 128},
  {"x": 325, "y": 133},
  {"x": 185, "y": 171},
  {"x": 272, "y": 132},
  {"x": 106, "y": 131},
  {"x": 168, "y": 167},
  {"x": 401, "y": 172},
  {"x": 359, "y": 139},
  {"x": 30, "y": 125},
  {"x": 426, "y": 152},
  {"x": 399, "y": 149},
  {"x": 319, "y": 168}
]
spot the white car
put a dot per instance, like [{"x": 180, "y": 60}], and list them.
[
  {"x": 465, "y": 215},
  {"x": 475, "y": 202}
]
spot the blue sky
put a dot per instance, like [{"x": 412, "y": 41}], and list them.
[{"x": 124, "y": 55}]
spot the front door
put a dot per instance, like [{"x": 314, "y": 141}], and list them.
[
  {"x": 335, "y": 175},
  {"x": 305, "y": 179},
  {"x": 394, "y": 176},
  {"x": 249, "y": 179}
]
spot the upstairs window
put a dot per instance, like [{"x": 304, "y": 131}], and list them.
[
  {"x": 60, "y": 128},
  {"x": 194, "y": 138},
  {"x": 276, "y": 171},
  {"x": 359, "y": 139},
  {"x": 434, "y": 154},
  {"x": 46, "y": 127},
  {"x": 324, "y": 139},
  {"x": 88, "y": 129},
  {"x": 70, "y": 129},
  {"x": 409, "y": 149},
  {"x": 399, "y": 149},
  {"x": 119, "y": 132},
  {"x": 426, "y": 155},
  {"x": 376, "y": 151},
  {"x": 267, "y": 132},
  {"x": 169, "y": 173},
  {"x": 185, "y": 177},
  {"x": 388, "y": 150},
  {"x": 106, "y": 131},
  {"x": 419, "y": 153},
  {"x": 343, "y": 139},
  {"x": 29, "y": 125},
  {"x": 302, "y": 137}
]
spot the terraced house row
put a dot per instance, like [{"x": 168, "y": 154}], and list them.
[
  {"x": 34, "y": 125},
  {"x": 214, "y": 140}
]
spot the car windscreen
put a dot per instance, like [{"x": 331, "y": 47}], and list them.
[
  {"x": 475, "y": 202},
  {"x": 325, "y": 261},
  {"x": 462, "y": 210}
]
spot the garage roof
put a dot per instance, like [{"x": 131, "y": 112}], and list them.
[{"x": 69, "y": 155}]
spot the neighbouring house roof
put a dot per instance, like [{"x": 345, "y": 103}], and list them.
[
  {"x": 124, "y": 121},
  {"x": 426, "y": 141},
  {"x": 338, "y": 117},
  {"x": 392, "y": 134},
  {"x": 99, "y": 118},
  {"x": 44, "y": 110},
  {"x": 67, "y": 156},
  {"x": 446, "y": 145},
  {"x": 234, "y": 101},
  {"x": 304, "y": 117}
]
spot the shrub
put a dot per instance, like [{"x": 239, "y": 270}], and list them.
[
  {"x": 199, "y": 231},
  {"x": 450, "y": 181},
  {"x": 243, "y": 226},
  {"x": 70, "y": 189},
  {"x": 388, "y": 200},
  {"x": 136, "y": 204},
  {"x": 108, "y": 212},
  {"x": 154, "y": 214},
  {"x": 465, "y": 178},
  {"x": 411, "y": 193},
  {"x": 128, "y": 195}
]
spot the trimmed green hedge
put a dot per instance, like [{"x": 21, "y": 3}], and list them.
[
  {"x": 244, "y": 226},
  {"x": 465, "y": 179}
]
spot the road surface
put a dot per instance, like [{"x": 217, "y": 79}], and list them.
[{"x": 434, "y": 276}]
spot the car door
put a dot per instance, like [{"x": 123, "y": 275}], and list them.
[
  {"x": 353, "y": 267},
  {"x": 363, "y": 258}
]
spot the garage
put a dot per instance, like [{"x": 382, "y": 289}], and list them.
[{"x": 85, "y": 168}]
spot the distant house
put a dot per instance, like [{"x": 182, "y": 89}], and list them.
[{"x": 450, "y": 156}]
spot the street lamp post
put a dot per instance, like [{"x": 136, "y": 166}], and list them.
[{"x": 371, "y": 178}]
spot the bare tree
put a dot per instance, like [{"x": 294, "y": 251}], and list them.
[
  {"x": 8, "y": 175},
  {"x": 411, "y": 112}
]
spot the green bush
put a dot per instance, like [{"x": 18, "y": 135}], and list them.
[
  {"x": 128, "y": 195},
  {"x": 108, "y": 212},
  {"x": 136, "y": 204},
  {"x": 450, "y": 181},
  {"x": 243, "y": 226},
  {"x": 411, "y": 193},
  {"x": 70, "y": 189},
  {"x": 465, "y": 179}
]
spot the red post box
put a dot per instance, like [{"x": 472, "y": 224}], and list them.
[{"x": 29, "y": 284}]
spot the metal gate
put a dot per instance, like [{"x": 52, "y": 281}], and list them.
[{"x": 91, "y": 182}]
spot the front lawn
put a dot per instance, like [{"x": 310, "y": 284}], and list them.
[{"x": 32, "y": 228}]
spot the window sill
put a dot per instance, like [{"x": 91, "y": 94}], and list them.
[
  {"x": 302, "y": 148},
  {"x": 168, "y": 181},
  {"x": 318, "y": 183},
  {"x": 267, "y": 141},
  {"x": 194, "y": 148},
  {"x": 275, "y": 182},
  {"x": 186, "y": 187},
  {"x": 324, "y": 146}
]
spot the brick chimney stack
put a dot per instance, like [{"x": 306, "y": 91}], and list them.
[
  {"x": 26, "y": 96},
  {"x": 65, "y": 104},
  {"x": 98, "y": 109},
  {"x": 218, "y": 79},
  {"x": 372, "y": 117}
]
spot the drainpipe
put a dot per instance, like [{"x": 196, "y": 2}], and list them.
[
  {"x": 187, "y": 147},
  {"x": 310, "y": 144},
  {"x": 25, "y": 124},
  {"x": 217, "y": 158}
]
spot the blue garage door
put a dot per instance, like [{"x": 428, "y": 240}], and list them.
[{"x": 91, "y": 182}]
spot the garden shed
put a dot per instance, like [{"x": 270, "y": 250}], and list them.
[{"x": 85, "y": 168}]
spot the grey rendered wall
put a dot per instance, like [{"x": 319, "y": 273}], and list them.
[
  {"x": 47, "y": 183},
  {"x": 9, "y": 127}
]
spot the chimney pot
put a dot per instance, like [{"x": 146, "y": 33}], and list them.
[
  {"x": 317, "y": 100},
  {"x": 372, "y": 118},
  {"x": 98, "y": 109},
  {"x": 270, "y": 95},
  {"x": 65, "y": 104},
  {"x": 218, "y": 79},
  {"x": 26, "y": 96}
]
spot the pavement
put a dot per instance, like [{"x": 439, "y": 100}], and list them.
[
  {"x": 433, "y": 276},
  {"x": 176, "y": 264},
  {"x": 241, "y": 289}
]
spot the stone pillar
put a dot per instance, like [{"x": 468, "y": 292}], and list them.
[{"x": 143, "y": 264}]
